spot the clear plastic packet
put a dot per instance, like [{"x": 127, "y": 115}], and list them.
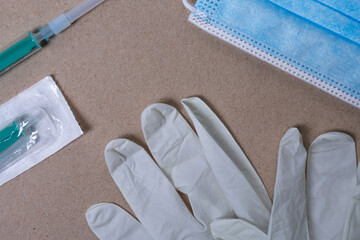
[{"x": 34, "y": 125}]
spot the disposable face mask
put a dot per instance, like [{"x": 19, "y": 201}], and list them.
[
  {"x": 316, "y": 41},
  {"x": 34, "y": 125}
]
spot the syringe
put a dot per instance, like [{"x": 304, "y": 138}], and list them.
[
  {"x": 33, "y": 41},
  {"x": 17, "y": 138},
  {"x": 17, "y": 129}
]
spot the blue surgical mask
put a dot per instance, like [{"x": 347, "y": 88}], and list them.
[{"x": 317, "y": 41}]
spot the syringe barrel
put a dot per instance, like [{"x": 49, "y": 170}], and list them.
[
  {"x": 9, "y": 135},
  {"x": 20, "y": 49}
]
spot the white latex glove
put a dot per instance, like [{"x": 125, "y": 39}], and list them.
[
  {"x": 333, "y": 188},
  {"x": 352, "y": 223},
  {"x": 184, "y": 158},
  {"x": 288, "y": 218},
  {"x": 151, "y": 196},
  {"x": 332, "y": 195}
]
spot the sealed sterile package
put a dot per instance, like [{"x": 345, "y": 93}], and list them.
[
  {"x": 34, "y": 125},
  {"x": 317, "y": 41}
]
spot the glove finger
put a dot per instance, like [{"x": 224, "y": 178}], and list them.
[
  {"x": 110, "y": 222},
  {"x": 235, "y": 229},
  {"x": 358, "y": 175},
  {"x": 352, "y": 223},
  {"x": 288, "y": 214},
  {"x": 236, "y": 176},
  {"x": 177, "y": 150},
  {"x": 331, "y": 180},
  {"x": 150, "y": 195}
]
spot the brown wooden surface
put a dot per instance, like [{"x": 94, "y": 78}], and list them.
[{"x": 113, "y": 63}]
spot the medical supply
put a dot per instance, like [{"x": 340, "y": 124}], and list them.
[
  {"x": 351, "y": 230},
  {"x": 12, "y": 133},
  {"x": 151, "y": 192},
  {"x": 289, "y": 214},
  {"x": 316, "y": 41},
  {"x": 185, "y": 160},
  {"x": 35, "y": 124},
  {"x": 151, "y": 196},
  {"x": 176, "y": 150},
  {"x": 208, "y": 167},
  {"x": 331, "y": 208},
  {"x": 15, "y": 134},
  {"x": 237, "y": 178},
  {"x": 288, "y": 219},
  {"x": 33, "y": 41},
  {"x": 332, "y": 188}
]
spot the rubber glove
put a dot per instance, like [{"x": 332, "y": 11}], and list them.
[
  {"x": 151, "y": 196},
  {"x": 352, "y": 223},
  {"x": 288, "y": 218},
  {"x": 333, "y": 188},
  {"x": 333, "y": 196},
  {"x": 182, "y": 156}
]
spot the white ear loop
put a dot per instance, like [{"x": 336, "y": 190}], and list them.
[{"x": 189, "y": 6}]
